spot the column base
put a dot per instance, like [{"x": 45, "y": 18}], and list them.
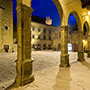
[
  {"x": 16, "y": 84},
  {"x": 88, "y": 54},
  {"x": 81, "y": 56},
  {"x": 24, "y": 74},
  {"x": 65, "y": 61}
]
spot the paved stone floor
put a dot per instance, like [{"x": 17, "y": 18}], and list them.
[{"x": 48, "y": 75}]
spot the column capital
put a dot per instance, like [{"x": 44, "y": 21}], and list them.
[
  {"x": 24, "y": 8},
  {"x": 27, "y": 9},
  {"x": 64, "y": 27}
]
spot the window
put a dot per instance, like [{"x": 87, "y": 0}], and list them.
[
  {"x": 38, "y": 29},
  {"x": 39, "y": 37},
  {"x": 6, "y": 27},
  {"x": 49, "y": 46},
  {"x": 49, "y": 38},
  {"x": 44, "y": 30},
  {"x": 33, "y": 36},
  {"x": 44, "y": 46},
  {"x": 50, "y": 31},
  {"x": 33, "y": 46},
  {"x": 6, "y": 48},
  {"x": 33, "y": 28},
  {"x": 39, "y": 44},
  {"x": 44, "y": 37}
]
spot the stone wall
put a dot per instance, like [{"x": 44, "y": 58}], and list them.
[{"x": 6, "y": 34}]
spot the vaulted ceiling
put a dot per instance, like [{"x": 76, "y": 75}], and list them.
[{"x": 86, "y": 4}]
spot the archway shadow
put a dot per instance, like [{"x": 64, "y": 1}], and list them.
[
  {"x": 63, "y": 79},
  {"x": 86, "y": 64}
]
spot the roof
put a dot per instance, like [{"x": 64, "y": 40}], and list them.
[{"x": 85, "y": 3}]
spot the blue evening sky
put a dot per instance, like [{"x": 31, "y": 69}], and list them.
[{"x": 44, "y": 8}]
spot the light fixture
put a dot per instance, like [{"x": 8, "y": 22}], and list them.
[
  {"x": 88, "y": 12},
  {"x": 83, "y": 41}
]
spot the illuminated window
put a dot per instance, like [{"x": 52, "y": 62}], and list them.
[
  {"x": 39, "y": 30},
  {"x": 33, "y": 28}
]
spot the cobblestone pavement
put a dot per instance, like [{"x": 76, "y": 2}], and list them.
[{"x": 48, "y": 74}]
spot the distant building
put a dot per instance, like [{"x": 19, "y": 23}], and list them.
[
  {"x": 42, "y": 36},
  {"x": 72, "y": 38},
  {"x": 6, "y": 25},
  {"x": 73, "y": 28}
]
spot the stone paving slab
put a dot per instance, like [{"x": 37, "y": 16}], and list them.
[{"x": 48, "y": 75}]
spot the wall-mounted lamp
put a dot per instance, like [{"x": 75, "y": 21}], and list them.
[
  {"x": 83, "y": 41},
  {"x": 88, "y": 12}
]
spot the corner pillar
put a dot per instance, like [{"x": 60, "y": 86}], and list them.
[
  {"x": 80, "y": 45},
  {"x": 88, "y": 51},
  {"x": 64, "y": 47},
  {"x": 24, "y": 62},
  {"x": 0, "y": 28}
]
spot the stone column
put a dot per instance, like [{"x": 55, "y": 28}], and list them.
[
  {"x": 80, "y": 46},
  {"x": 0, "y": 27},
  {"x": 88, "y": 51},
  {"x": 24, "y": 62},
  {"x": 64, "y": 47}
]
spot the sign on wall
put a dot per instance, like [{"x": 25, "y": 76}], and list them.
[{"x": 48, "y": 21}]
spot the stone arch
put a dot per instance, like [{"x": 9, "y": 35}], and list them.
[
  {"x": 24, "y": 61},
  {"x": 78, "y": 20},
  {"x": 85, "y": 35},
  {"x": 58, "y": 6},
  {"x": 80, "y": 35},
  {"x": 86, "y": 24}
]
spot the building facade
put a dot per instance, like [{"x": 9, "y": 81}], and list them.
[
  {"x": 72, "y": 39},
  {"x": 6, "y": 25},
  {"x": 42, "y": 36}
]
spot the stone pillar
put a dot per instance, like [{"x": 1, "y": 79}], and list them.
[
  {"x": 64, "y": 47},
  {"x": 88, "y": 51},
  {"x": 0, "y": 28},
  {"x": 80, "y": 46},
  {"x": 24, "y": 62}
]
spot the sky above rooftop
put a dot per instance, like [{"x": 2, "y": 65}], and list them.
[{"x": 44, "y": 8}]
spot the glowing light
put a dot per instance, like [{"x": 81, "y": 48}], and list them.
[
  {"x": 88, "y": 12},
  {"x": 84, "y": 41}
]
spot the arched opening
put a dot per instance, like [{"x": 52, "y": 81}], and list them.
[
  {"x": 42, "y": 41},
  {"x": 73, "y": 33},
  {"x": 57, "y": 8},
  {"x": 77, "y": 36}
]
